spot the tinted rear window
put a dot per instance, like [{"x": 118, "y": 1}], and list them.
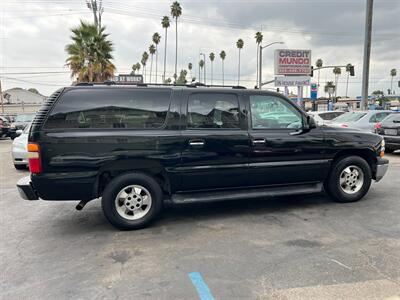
[
  {"x": 110, "y": 108},
  {"x": 393, "y": 118},
  {"x": 350, "y": 117},
  {"x": 330, "y": 115}
]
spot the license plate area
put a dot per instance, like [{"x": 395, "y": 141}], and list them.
[{"x": 390, "y": 131}]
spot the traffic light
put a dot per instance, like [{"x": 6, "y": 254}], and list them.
[
  {"x": 277, "y": 90},
  {"x": 352, "y": 71},
  {"x": 312, "y": 71},
  {"x": 398, "y": 83}
]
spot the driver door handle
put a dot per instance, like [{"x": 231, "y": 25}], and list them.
[
  {"x": 196, "y": 143},
  {"x": 259, "y": 141}
]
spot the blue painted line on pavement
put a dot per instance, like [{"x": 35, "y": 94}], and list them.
[{"x": 201, "y": 287}]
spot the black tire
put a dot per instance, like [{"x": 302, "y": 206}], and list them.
[
  {"x": 20, "y": 167},
  {"x": 332, "y": 184},
  {"x": 116, "y": 185}
]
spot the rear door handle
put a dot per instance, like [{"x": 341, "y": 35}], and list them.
[
  {"x": 259, "y": 141},
  {"x": 196, "y": 143}
]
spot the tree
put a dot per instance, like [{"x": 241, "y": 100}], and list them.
[
  {"x": 330, "y": 88},
  {"x": 212, "y": 57},
  {"x": 135, "y": 67},
  {"x": 393, "y": 74},
  {"x": 337, "y": 71},
  {"x": 182, "y": 78},
  {"x": 156, "y": 40},
  {"x": 201, "y": 65},
  {"x": 380, "y": 95},
  {"x": 348, "y": 67},
  {"x": 165, "y": 24},
  {"x": 145, "y": 57},
  {"x": 89, "y": 54},
  {"x": 259, "y": 37},
  {"x": 190, "y": 67},
  {"x": 176, "y": 11},
  {"x": 222, "y": 55},
  {"x": 152, "y": 50},
  {"x": 239, "y": 45},
  {"x": 97, "y": 9},
  {"x": 318, "y": 64}
]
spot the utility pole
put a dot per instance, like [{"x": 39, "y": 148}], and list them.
[
  {"x": 1, "y": 99},
  {"x": 367, "y": 53}
]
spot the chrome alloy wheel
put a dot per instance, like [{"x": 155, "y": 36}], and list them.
[
  {"x": 133, "y": 202},
  {"x": 351, "y": 179}
]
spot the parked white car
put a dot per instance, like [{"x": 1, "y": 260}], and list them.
[
  {"x": 20, "y": 149},
  {"x": 321, "y": 117},
  {"x": 361, "y": 120}
]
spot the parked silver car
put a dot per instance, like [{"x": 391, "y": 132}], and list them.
[
  {"x": 20, "y": 149},
  {"x": 361, "y": 120},
  {"x": 321, "y": 117}
]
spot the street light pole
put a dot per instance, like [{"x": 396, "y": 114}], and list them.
[
  {"x": 260, "y": 62},
  {"x": 367, "y": 53}
]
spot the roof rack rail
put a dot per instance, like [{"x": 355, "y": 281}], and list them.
[{"x": 142, "y": 84}]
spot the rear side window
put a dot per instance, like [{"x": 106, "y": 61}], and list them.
[
  {"x": 393, "y": 118},
  {"x": 110, "y": 108},
  {"x": 213, "y": 110}
]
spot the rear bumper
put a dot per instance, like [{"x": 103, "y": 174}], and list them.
[
  {"x": 381, "y": 168},
  {"x": 26, "y": 190}
]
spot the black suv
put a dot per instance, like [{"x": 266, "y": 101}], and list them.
[{"x": 135, "y": 146}]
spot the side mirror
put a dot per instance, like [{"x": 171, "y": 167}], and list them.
[
  {"x": 311, "y": 122},
  {"x": 18, "y": 132}
]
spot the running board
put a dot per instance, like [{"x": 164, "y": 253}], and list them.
[{"x": 250, "y": 193}]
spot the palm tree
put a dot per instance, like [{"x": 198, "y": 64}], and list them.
[
  {"x": 201, "y": 65},
  {"x": 145, "y": 57},
  {"x": 222, "y": 55},
  {"x": 348, "y": 67},
  {"x": 89, "y": 54},
  {"x": 330, "y": 88},
  {"x": 337, "y": 71},
  {"x": 259, "y": 37},
  {"x": 152, "y": 50},
  {"x": 176, "y": 11},
  {"x": 212, "y": 57},
  {"x": 156, "y": 40},
  {"x": 190, "y": 67},
  {"x": 134, "y": 69},
  {"x": 393, "y": 74},
  {"x": 318, "y": 64},
  {"x": 239, "y": 45},
  {"x": 165, "y": 24}
]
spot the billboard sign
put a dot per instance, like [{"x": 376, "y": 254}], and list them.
[
  {"x": 292, "y": 81},
  {"x": 292, "y": 62}
]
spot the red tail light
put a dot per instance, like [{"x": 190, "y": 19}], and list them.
[
  {"x": 378, "y": 126},
  {"x": 35, "y": 164},
  {"x": 344, "y": 125}
]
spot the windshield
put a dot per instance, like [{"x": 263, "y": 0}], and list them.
[
  {"x": 24, "y": 118},
  {"x": 350, "y": 117}
]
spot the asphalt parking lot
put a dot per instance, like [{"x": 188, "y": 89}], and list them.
[{"x": 285, "y": 248}]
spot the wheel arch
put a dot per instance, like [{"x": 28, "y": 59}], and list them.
[
  {"x": 367, "y": 154},
  {"x": 113, "y": 169}
]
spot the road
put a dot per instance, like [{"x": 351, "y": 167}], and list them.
[{"x": 300, "y": 247}]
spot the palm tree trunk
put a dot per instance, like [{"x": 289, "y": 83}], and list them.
[
  {"x": 151, "y": 66},
  {"x": 165, "y": 54},
  {"x": 176, "y": 46},
  {"x": 336, "y": 83},
  {"x": 347, "y": 83},
  {"x": 318, "y": 83},
  {"x": 239, "y": 69},
  {"x": 156, "y": 62},
  {"x": 211, "y": 72},
  {"x": 391, "y": 85},
  {"x": 257, "y": 65},
  {"x": 223, "y": 81}
]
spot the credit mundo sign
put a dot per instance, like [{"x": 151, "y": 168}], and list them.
[{"x": 292, "y": 62}]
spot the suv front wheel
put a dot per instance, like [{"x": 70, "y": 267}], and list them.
[
  {"x": 132, "y": 201},
  {"x": 349, "y": 180}
]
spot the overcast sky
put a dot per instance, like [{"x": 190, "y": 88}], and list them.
[{"x": 33, "y": 35}]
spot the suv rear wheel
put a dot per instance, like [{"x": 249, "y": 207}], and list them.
[
  {"x": 132, "y": 201},
  {"x": 349, "y": 180}
]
